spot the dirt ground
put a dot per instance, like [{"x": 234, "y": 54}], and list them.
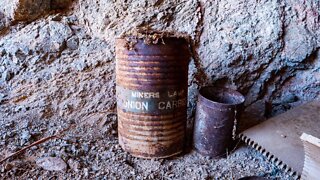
[{"x": 90, "y": 150}]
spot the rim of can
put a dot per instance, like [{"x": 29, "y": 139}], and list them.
[
  {"x": 238, "y": 98},
  {"x": 165, "y": 37},
  {"x": 141, "y": 39}
]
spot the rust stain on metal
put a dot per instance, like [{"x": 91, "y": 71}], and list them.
[
  {"x": 217, "y": 109},
  {"x": 152, "y": 96}
]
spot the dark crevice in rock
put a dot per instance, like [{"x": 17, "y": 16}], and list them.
[
  {"x": 279, "y": 78},
  {"x": 60, "y": 4},
  {"x": 201, "y": 77},
  {"x": 158, "y": 2},
  {"x": 290, "y": 72},
  {"x": 312, "y": 59}
]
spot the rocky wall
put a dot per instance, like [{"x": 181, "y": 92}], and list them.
[
  {"x": 61, "y": 65},
  {"x": 28, "y": 10}
]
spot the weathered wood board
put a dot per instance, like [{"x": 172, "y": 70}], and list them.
[{"x": 279, "y": 137}]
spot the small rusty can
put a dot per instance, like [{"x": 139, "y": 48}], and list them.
[
  {"x": 217, "y": 112},
  {"x": 152, "y": 96}
]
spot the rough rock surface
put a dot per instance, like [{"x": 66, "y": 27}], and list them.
[
  {"x": 262, "y": 49},
  {"x": 28, "y": 10},
  {"x": 52, "y": 164},
  {"x": 58, "y": 70}
]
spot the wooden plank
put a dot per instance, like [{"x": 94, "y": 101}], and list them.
[
  {"x": 311, "y": 168},
  {"x": 279, "y": 137}
]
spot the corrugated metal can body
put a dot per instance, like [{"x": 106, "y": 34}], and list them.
[
  {"x": 217, "y": 110},
  {"x": 152, "y": 97}
]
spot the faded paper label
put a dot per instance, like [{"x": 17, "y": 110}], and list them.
[{"x": 156, "y": 102}]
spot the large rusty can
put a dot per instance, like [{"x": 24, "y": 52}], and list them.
[
  {"x": 218, "y": 110},
  {"x": 152, "y": 82}
]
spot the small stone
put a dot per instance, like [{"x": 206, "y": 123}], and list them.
[
  {"x": 36, "y": 59},
  {"x": 25, "y": 135},
  {"x": 114, "y": 132},
  {"x": 8, "y": 167},
  {"x": 160, "y": 16},
  {"x": 80, "y": 66},
  {"x": 34, "y": 148},
  {"x": 15, "y": 60},
  {"x": 85, "y": 148},
  {"x": 74, "y": 165},
  {"x": 47, "y": 76},
  {"x": 52, "y": 164},
  {"x": 71, "y": 19},
  {"x": 73, "y": 149},
  {"x": 73, "y": 43},
  {"x": 2, "y": 52},
  {"x": 290, "y": 98},
  {"x": 7, "y": 75},
  {"x": 24, "y": 138},
  {"x": 95, "y": 168},
  {"x": 1, "y": 97},
  {"x": 86, "y": 172},
  {"x": 2, "y": 69},
  {"x": 227, "y": 47},
  {"x": 20, "y": 109}
]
